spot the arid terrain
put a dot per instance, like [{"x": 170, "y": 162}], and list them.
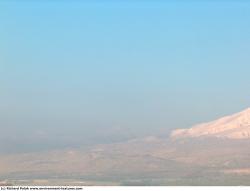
[{"x": 215, "y": 153}]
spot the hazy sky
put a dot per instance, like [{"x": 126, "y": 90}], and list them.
[{"x": 100, "y": 71}]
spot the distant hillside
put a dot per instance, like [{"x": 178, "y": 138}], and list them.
[{"x": 216, "y": 153}]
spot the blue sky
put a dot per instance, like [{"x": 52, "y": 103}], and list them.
[{"x": 110, "y": 70}]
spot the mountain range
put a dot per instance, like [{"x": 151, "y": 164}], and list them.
[{"x": 214, "y": 153}]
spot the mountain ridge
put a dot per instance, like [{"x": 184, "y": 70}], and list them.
[
  {"x": 236, "y": 126},
  {"x": 151, "y": 160}
]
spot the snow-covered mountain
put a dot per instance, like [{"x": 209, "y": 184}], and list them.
[
  {"x": 221, "y": 158},
  {"x": 236, "y": 126}
]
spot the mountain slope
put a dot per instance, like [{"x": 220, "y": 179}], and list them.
[
  {"x": 236, "y": 126},
  {"x": 221, "y": 158},
  {"x": 137, "y": 162}
]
